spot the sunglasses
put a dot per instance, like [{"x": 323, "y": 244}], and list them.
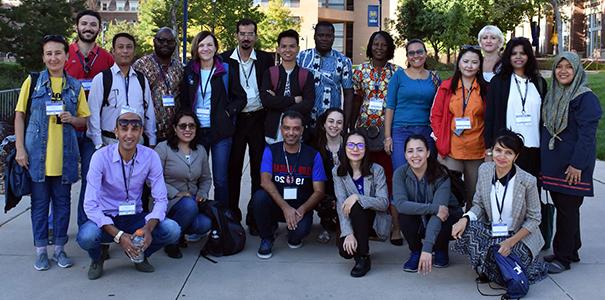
[
  {"x": 468, "y": 47},
  {"x": 360, "y": 146},
  {"x": 136, "y": 124},
  {"x": 417, "y": 52},
  {"x": 184, "y": 126}
]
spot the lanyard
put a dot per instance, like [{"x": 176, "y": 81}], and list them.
[
  {"x": 205, "y": 89},
  {"x": 127, "y": 184},
  {"x": 498, "y": 205},
  {"x": 466, "y": 98},
  {"x": 87, "y": 67},
  {"x": 523, "y": 98},
  {"x": 127, "y": 84},
  {"x": 59, "y": 95},
  {"x": 163, "y": 74},
  {"x": 247, "y": 77},
  {"x": 288, "y": 163}
]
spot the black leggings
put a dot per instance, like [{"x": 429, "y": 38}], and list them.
[
  {"x": 567, "y": 241},
  {"x": 411, "y": 226},
  {"x": 362, "y": 221}
]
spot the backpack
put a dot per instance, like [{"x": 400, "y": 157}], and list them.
[
  {"x": 227, "y": 236},
  {"x": 108, "y": 81},
  {"x": 274, "y": 73},
  {"x": 513, "y": 274}
]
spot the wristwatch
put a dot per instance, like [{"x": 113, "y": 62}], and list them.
[{"x": 116, "y": 238}]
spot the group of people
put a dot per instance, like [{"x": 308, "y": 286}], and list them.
[{"x": 376, "y": 150}]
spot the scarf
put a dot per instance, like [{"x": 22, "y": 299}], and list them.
[{"x": 555, "y": 110}]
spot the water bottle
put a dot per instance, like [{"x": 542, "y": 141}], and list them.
[{"x": 138, "y": 241}]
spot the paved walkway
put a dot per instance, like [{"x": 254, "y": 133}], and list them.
[{"x": 314, "y": 271}]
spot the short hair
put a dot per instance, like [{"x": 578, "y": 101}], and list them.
[
  {"x": 124, "y": 35},
  {"x": 325, "y": 24},
  {"x": 172, "y": 31},
  {"x": 292, "y": 114},
  {"x": 88, "y": 12},
  {"x": 57, "y": 39},
  {"x": 491, "y": 29},
  {"x": 390, "y": 44},
  {"x": 291, "y": 33},
  {"x": 245, "y": 22},
  {"x": 510, "y": 139},
  {"x": 197, "y": 39}
]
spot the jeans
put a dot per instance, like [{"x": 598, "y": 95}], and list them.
[
  {"x": 51, "y": 191},
  {"x": 186, "y": 213},
  {"x": 87, "y": 148},
  {"x": 401, "y": 134},
  {"x": 220, "y": 152},
  {"x": 90, "y": 236},
  {"x": 267, "y": 214}
]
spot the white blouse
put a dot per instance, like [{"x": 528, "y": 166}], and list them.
[{"x": 533, "y": 104}]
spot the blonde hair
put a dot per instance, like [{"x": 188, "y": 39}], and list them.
[{"x": 491, "y": 29}]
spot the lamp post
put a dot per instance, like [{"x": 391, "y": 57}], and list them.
[
  {"x": 214, "y": 14},
  {"x": 379, "y": 15}
]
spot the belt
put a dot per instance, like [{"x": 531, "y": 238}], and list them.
[
  {"x": 250, "y": 114},
  {"x": 108, "y": 134}
]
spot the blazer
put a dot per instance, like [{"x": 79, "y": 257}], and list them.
[
  {"x": 264, "y": 60},
  {"x": 375, "y": 197},
  {"x": 526, "y": 204},
  {"x": 181, "y": 176}
]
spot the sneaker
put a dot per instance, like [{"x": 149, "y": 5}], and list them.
[
  {"x": 144, "y": 266},
  {"x": 41, "y": 262},
  {"x": 412, "y": 264},
  {"x": 441, "y": 259},
  {"x": 294, "y": 244},
  {"x": 62, "y": 260},
  {"x": 264, "y": 251},
  {"x": 95, "y": 270},
  {"x": 324, "y": 237}
]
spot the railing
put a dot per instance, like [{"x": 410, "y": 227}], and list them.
[{"x": 8, "y": 101}]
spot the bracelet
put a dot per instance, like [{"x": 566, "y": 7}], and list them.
[
  {"x": 388, "y": 139},
  {"x": 116, "y": 238}
]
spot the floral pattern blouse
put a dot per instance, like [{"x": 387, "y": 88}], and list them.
[{"x": 372, "y": 84}]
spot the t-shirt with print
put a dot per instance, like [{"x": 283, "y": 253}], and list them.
[{"x": 296, "y": 172}]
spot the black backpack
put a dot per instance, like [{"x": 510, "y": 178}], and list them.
[
  {"x": 108, "y": 81},
  {"x": 227, "y": 236}
]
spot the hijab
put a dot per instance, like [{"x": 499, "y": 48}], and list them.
[{"x": 555, "y": 109}]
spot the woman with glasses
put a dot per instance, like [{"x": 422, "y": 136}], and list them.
[
  {"x": 215, "y": 97},
  {"x": 457, "y": 118},
  {"x": 571, "y": 114},
  {"x": 51, "y": 105},
  {"x": 491, "y": 40},
  {"x": 187, "y": 177},
  {"x": 427, "y": 208},
  {"x": 362, "y": 202}
]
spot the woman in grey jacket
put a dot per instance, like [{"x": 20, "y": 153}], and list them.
[
  {"x": 427, "y": 208},
  {"x": 187, "y": 177},
  {"x": 361, "y": 202}
]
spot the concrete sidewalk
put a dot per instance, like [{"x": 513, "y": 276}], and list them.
[{"x": 314, "y": 271}]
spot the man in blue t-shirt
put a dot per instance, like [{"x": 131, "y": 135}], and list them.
[{"x": 292, "y": 181}]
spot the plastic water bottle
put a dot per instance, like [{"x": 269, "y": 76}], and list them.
[{"x": 138, "y": 241}]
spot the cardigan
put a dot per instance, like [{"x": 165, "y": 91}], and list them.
[{"x": 375, "y": 197}]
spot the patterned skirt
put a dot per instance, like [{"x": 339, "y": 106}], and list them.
[{"x": 476, "y": 242}]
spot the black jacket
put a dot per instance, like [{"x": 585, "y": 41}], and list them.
[
  {"x": 263, "y": 62},
  {"x": 497, "y": 102},
  {"x": 224, "y": 106},
  {"x": 276, "y": 105}
]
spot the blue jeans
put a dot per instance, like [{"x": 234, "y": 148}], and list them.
[
  {"x": 186, "y": 213},
  {"x": 87, "y": 148},
  {"x": 51, "y": 191},
  {"x": 90, "y": 236},
  {"x": 220, "y": 152},
  {"x": 400, "y": 135},
  {"x": 267, "y": 214}
]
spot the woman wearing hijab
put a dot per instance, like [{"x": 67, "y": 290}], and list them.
[{"x": 571, "y": 114}]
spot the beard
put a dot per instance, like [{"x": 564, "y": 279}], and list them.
[{"x": 84, "y": 39}]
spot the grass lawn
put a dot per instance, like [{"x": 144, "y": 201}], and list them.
[{"x": 596, "y": 81}]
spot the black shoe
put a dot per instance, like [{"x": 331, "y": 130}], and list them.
[
  {"x": 95, "y": 270},
  {"x": 556, "y": 267},
  {"x": 105, "y": 252},
  {"x": 144, "y": 266},
  {"x": 551, "y": 258},
  {"x": 363, "y": 264},
  {"x": 397, "y": 242},
  {"x": 173, "y": 251},
  {"x": 482, "y": 278}
]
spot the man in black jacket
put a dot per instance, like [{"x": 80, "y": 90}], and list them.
[{"x": 248, "y": 65}]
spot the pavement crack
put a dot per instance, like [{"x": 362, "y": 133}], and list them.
[
  {"x": 187, "y": 279},
  {"x": 560, "y": 287},
  {"x": 16, "y": 216}
]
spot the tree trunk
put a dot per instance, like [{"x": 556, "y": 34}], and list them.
[
  {"x": 174, "y": 26},
  {"x": 558, "y": 25}
]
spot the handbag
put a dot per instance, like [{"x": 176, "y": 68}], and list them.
[{"x": 375, "y": 136}]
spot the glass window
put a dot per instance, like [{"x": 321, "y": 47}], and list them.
[
  {"x": 134, "y": 5},
  {"x": 339, "y": 37},
  {"x": 120, "y": 5}
]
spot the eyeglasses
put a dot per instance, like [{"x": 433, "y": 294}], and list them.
[
  {"x": 136, "y": 124},
  {"x": 417, "y": 52},
  {"x": 360, "y": 146},
  {"x": 248, "y": 34},
  {"x": 468, "y": 47},
  {"x": 184, "y": 126}
]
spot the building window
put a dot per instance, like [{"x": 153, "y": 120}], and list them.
[
  {"x": 593, "y": 39},
  {"x": 134, "y": 5},
  {"x": 339, "y": 37},
  {"x": 349, "y": 40},
  {"x": 333, "y": 4},
  {"x": 120, "y": 5},
  {"x": 104, "y": 5}
]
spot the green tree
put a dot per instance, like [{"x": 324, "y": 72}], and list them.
[
  {"x": 155, "y": 14},
  {"x": 23, "y": 27},
  {"x": 124, "y": 26},
  {"x": 278, "y": 18}
]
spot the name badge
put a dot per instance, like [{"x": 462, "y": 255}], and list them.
[
  {"x": 126, "y": 209},
  {"x": 523, "y": 119},
  {"x": 499, "y": 230},
  {"x": 168, "y": 101},
  {"x": 54, "y": 108},
  {"x": 462, "y": 123},
  {"x": 127, "y": 109},
  {"x": 375, "y": 104},
  {"x": 203, "y": 113},
  {"x": 86, "y": 84},
  {"x": 290, "y": 193}
]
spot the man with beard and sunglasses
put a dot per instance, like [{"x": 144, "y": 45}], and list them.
[
  {"x": 164, "y": 73},
  {"x": 248, "y": 65}
]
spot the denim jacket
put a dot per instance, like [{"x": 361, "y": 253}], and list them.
[{"x": 36, "y": 134}]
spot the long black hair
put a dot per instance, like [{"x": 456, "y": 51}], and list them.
[
  {"x": 531, "y": 67},
  {"x": 173, "y": 139},
  {"x": 458, "y": 74},
  {"x": 321, "y": 140},
  {"x": 366, "y": 163},
  {"x": 434, "y": 170}
]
